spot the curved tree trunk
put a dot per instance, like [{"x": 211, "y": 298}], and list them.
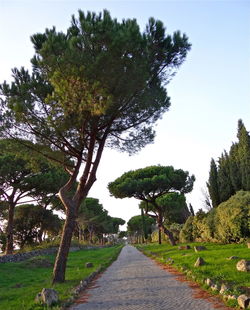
[
  {"x": 9, "y": 229},
  {"x": 170, "y": 235},
  {"x": 72, "y": 205},
  {"x": 63, "y": 251}
]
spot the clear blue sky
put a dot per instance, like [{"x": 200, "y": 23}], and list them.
[{"x": 210, "y": 92}]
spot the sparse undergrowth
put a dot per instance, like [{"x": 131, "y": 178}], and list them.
[
  {"x": 21, "y": 282},
  {"x": 217, "y": 267}
]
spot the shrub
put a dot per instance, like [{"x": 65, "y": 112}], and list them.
[
  {"x": 229, "y": 222},
  {"x": 207, "y": 227},
  {"x": 233, "y": 218},
  {"x": 186, "y": 233},
  {"x": 175, "y": 228}
]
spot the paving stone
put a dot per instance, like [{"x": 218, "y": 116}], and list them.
[{"x": 135, "y": 282}]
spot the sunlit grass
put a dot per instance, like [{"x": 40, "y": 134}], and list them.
[
  {"x": 217, "y": 266},
  {"x": 20, "y": 283}
]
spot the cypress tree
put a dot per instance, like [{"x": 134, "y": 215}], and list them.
[
  {"x": 212, "y": 184},
  {"x": 225, "y": 186},
  {"x": 244, "y": 156},
  {"x": 235, "y": 174},
  {"x": 232, "y": 173},
  {"x": 191, "y": 210}
]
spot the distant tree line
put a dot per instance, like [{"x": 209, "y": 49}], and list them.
[{"x": 29, "y": 186}]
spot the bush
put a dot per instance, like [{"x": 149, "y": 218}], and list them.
[
  {"x": 206, "y": 227},
  {"x": 233, "y": 218},
  {"x": 175, "y": 228},
  {"x": 228, "y": 223},
  {"x": 186, "y": 233}
]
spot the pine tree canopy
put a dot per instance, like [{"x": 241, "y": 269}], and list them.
[{"x": 101, "y": 79}]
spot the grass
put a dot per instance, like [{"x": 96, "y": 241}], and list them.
[
  {"x": 21, "y": 282},
  {"x": 217, "y": 267}
]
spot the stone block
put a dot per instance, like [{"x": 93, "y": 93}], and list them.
[
  {"x": 243, "y": 301},
  {"x": 243, "y": 265},
  {"x": 199, "y": 262},
  {"x": 89, "y": 265},
  {"x": 223, "y": 289},
  {"x": 47, "y": 296},
  {"x": 232, "y": 257},
  {"x": 199, "y": 248}
]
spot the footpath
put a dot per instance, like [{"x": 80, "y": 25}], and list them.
[{"x": 135, "y": 282}]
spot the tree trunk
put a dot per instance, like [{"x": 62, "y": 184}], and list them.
[
  {"x": 170, "y": 235},
  {"x": 9, "y": 229},
  {"x": 84, "y": 185},
  {"x": 63, "y": 251},
  {"x": 40, "y": 236},
  {"x": 159, "y": 221},
  {"x": 159, "y": 235}
]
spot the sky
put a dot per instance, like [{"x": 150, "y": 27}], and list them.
[{"x": 209, "y": 93}]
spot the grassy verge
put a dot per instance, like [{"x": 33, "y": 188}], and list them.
[
  {"x": 217, "y": 267},
  {"x": 20, "y": 282}
]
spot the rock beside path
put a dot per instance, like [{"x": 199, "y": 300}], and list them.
[
  {"x": 243, "y": 265},
  {"x": 200, "y": 262},
  {"x": 199, "y": 248},
  {"x": 243, "y": 301},
  {"x": 89, "y": 265},
  {"x": 48, "y": 296}
]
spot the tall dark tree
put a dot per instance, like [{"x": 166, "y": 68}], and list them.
[
  {"x": 235, "y": 171},
  {"x": 224, "y": 181},
  {"x": 157, "y": 187},
  {"x": 244, "y": 156},
  {"x": 232, "y": 173},
  {"x": 100, "y": 83},
  {"x": 212, "y": 184},
  {"x": 191, "y": 209}
]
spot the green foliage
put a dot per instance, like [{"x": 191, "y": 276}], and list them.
[
  {"x": 228, "y": 223},
  {"x": 175, "y": 229},
  {"x": 94, "y": 220},
  {"x": 102, "y": 83},
  {"x": 186, "y": 233},
  {"x": 157, "y": 180},
  {"x": 232, "y": 173},
  {"x": 24, "y": 173},
  {"x": 233, "y": 218},
  {"x": 32, "y": 221},
  {"x": 122, "y": 234},
  {"x": 98, "y": 68},
  {"x": 212, "y": 184},
  {"x": 224, "y": 181},
  {"x": 161, "y": 190},
  {"x": 135, "y": 226},
  {"x": 175, "y": 208},
  {"x": 3, "y": 241}
]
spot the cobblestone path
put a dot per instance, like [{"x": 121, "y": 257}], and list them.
[{"x": 135, "y": 282}]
